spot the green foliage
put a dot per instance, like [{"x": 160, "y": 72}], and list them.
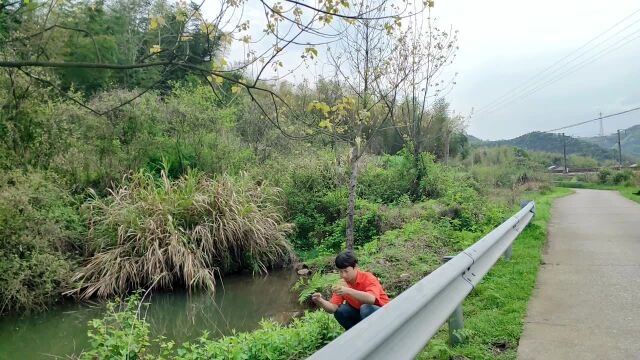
[
  {"x": 40, "y": 230},
  {"x": 154, "y": 230},
  {"x": 122, "y": 334},
  {"x": 318, "y": 282},
  {"x": 506, "y": 167},
  {"x": 603, "y": 175},
  {"x": 184, "y": 130},
  {"x": 366, "y": 225},
  {"x": 386, "y": 179},
  {"x": 622, "y": 176}
]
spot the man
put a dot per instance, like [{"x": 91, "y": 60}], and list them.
[{"x": 358, "y": 296}]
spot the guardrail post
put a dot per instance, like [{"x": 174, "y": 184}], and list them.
[
  {"x": 509, "y": 251},
  {"x": 456, "y": 320}
]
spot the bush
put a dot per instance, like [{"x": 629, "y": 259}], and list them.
[
  {"x": 622, "y": 176},
  {"x": 603, "y": 175},
  {"x": 366, "y": 226},
  {"x": 180, "y": 232},
  {"x": 310, "y": 194},
  {"x": 124, "y": 335},
  {"x": 386, "y": 179},
  {"x": 39, "y": 227}
]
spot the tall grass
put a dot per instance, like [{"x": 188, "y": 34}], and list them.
[{"x": 181, "y": 232}]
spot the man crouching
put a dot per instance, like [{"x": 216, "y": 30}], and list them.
[{"x": 359, "y": 295}]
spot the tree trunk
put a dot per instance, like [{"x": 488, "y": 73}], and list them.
[
  {"x": 419, "y": 167},
  {"x": 447, "y": 136},
  {"x": 353, "y": 182}
]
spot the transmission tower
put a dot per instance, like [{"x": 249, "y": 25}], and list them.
[{"x": 601, "y": 128}]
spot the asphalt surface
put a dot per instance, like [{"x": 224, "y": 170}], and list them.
[{"x": 586, "y": 303}]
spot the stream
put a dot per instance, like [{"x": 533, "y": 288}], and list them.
[{"x": 240, "y": 303}]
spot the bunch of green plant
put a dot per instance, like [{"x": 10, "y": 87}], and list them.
[
  {"x": 318, "y": 282},
  {"x": 312, "y": 198},
  {"x": 387, "y": 178},
  {"x": 298, "y": 340},
  {"x": 155, "y": 230},
  {"x": 123, "y": 334},
  {"x": 366, "y": 226},
  {"x": 40, "y": 231},
  {"x": 507, "y": 166},
  {"x": 603, "y": 176},
  {"x": 622, "y": 177}
]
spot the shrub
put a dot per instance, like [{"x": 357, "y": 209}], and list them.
[
  {"x": 39, "y": 227},
  {"x": 366, "y": 225},
  {"x": 603, "y": 175},
  {"x": 180, "y": 232},
  {"x": 386, "y": 179},
  {"x": 310, "y": 194},
  {"x": 124, "y": 335},
  {"x": 622, "y": 176}
]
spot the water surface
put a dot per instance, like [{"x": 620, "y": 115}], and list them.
[{"x": 239, "y": 304}]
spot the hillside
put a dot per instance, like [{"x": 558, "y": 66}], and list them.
[
  {"x": 539, "y": 141},
  {"x": 629, "y": 139}
]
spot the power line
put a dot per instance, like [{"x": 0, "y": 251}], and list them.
[
  {"x": 620, "y": 43},
  {"x": 592, "y": 120},
  {"x": 528, "y": 83}
]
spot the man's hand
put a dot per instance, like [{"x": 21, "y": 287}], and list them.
[
  {"x": 342, "y": 290},
  {"x": 324, "y": 304},
  {"x": 316, "y": 298}
]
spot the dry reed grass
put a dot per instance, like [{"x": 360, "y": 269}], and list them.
[{"x": 180, "y": 232}]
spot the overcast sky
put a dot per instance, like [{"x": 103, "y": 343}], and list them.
[{"x": 505, "y": 43}]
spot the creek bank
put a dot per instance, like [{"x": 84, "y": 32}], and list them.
[{"x": 240, "y": 303}]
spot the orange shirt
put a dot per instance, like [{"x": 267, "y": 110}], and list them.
[{"x": 368, "y": 283}]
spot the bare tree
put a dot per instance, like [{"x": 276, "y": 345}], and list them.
[
  {"x": 362, "y": 61},
  {"x": 426, "y": 50}
]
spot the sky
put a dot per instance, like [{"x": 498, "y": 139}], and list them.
[{"x": 505, "y": 46}]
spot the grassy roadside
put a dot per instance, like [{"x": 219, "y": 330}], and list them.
[
  {"x": 629, "y": 192},
  {"x": 494, "y": 312}
]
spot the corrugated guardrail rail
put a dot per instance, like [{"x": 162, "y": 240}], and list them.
[{"x": 401, "y": 329}]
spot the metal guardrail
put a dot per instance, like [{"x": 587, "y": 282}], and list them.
[{"x": 401, "y": 329}]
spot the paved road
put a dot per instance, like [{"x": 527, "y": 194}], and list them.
[{"x": 586, "y": 304}]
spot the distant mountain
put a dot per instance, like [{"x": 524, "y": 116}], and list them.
[
  {"x": 539, "y": 141},
  {"x": 474, "y": 140},
  {"x": 629, "y": 140}
]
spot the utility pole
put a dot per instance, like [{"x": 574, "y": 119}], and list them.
[
  {"x": 619, "y": 150},
  {"x": 564, "y": 151}
]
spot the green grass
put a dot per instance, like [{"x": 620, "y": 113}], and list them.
[
  {"x": 626, "y": 191},
  {"x": 494, "y": 312}
]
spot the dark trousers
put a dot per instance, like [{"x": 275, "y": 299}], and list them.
[{"x": 348, "y": 316}]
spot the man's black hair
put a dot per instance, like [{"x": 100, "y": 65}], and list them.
[{"x": 346, "y": 259}]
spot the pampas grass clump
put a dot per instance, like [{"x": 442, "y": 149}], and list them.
[{"x": 162, "y": 232}]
